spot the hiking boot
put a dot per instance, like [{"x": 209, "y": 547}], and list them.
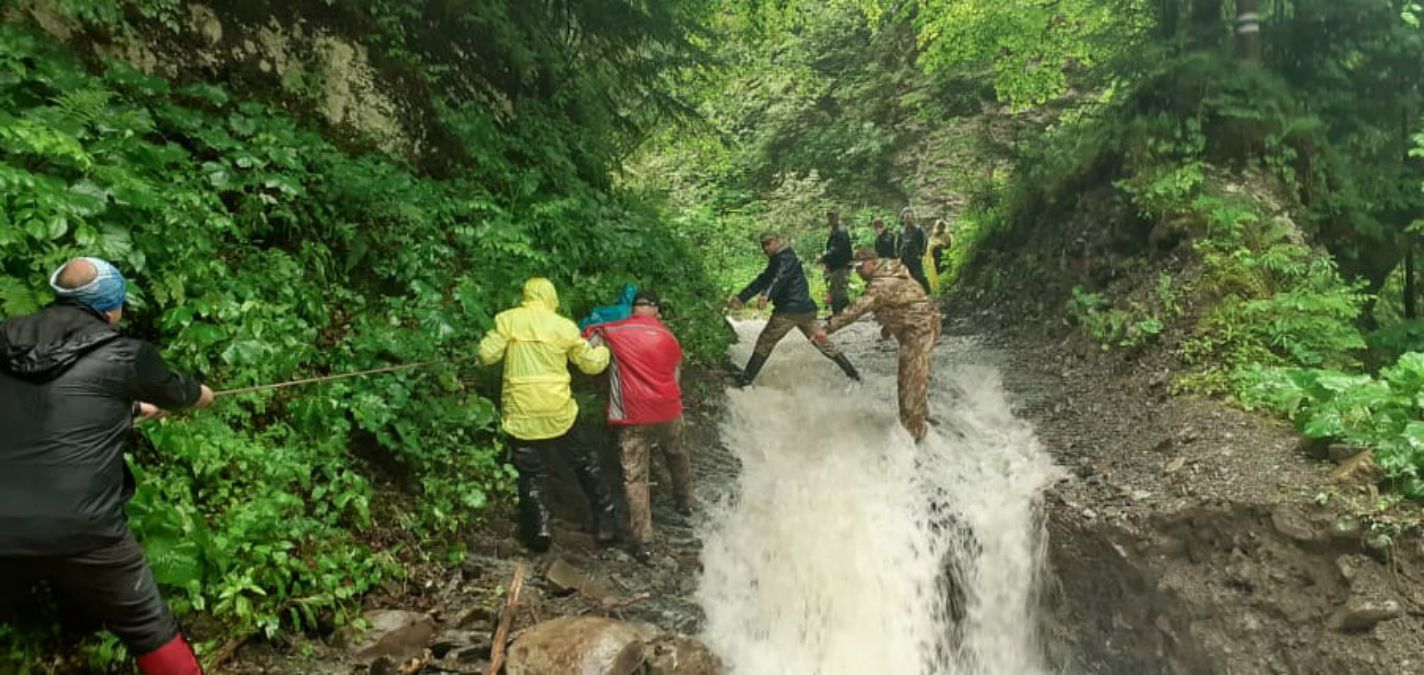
[
  {"x": 643, "y": 553},
  {"x": 749, "y": 374},
  {"x": 605, "y": 528},
  {"x": 847, "y": 367}
]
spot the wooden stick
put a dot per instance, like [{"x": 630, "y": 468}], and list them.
[{"x": 502, "y": 632}]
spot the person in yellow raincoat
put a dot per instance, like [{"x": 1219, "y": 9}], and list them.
[{"x": 537, "y": 345}]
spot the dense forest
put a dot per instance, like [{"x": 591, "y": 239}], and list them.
[{"x": 300, "y": 189}]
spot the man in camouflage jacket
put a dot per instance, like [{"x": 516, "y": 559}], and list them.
[{"x": 906, "y": 312}]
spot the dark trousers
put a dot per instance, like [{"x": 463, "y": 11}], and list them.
[
  {"x": 916, "y": 268},
  {"x": 533, "y": 475},
  {"x": 111, "y": 586}
]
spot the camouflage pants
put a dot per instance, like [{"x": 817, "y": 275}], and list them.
[
  {"x": 780, "y": 324},
  {"x": 839, "y": 283},
  {"x": 916, "y": 357},
  {"x": 635, "y": 453}
]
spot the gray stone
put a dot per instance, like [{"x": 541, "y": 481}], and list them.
[
  {"x": 1295, "y": 523},
  {"x": 587, "y": 645},
  {"x": 681, "y": 655},
  {"x": 396, "y": 634},
  {"x": 1341, "y": 453},
  {"x": 569, "y": 579},
  {"x": 1362, "y": 615}
]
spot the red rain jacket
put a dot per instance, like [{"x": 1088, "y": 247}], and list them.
[{"x": 643, "y": 377}]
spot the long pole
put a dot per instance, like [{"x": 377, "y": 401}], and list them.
[{"x": 326, "y": 378}]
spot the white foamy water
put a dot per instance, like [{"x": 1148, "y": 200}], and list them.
[{"x": 831, "y": 556}]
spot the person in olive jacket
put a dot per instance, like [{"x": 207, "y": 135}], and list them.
[
  {"x": 783, "y": 284},
  {"x": 71, "y": 388}
]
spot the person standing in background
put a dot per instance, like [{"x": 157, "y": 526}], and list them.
[
  {"x": 836, "y": 261},
  {"x": 913, "y": 247}
]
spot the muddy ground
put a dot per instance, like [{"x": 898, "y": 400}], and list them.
[{"x": 1192, "y": 537}]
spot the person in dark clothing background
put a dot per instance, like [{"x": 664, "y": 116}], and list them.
[
  {"x": 71, "y": 387},
  {"x": 783, "y": 283},
  {"x": 836, "y": 260},
  {"x": 887, "y": 245},
  {"x": 913, "y": 246}
]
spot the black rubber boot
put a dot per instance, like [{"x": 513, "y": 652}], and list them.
[
  {"x": 533, "y": 512},
  {"x": 845, "y": 364},
  {"x": 600, "y": 500},
  {"x": 749, "y": 373}
]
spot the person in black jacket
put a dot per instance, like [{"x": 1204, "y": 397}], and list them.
[
  {"x": 71, "y": 387},
  {"x": 783, "y": 283},
  {"x": 913, "y": 246},
  {"x": 886, "y": 244},
  {"x": 836, "y": 260}
]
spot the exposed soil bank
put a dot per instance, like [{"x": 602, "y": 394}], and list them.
[{"x": 1190, "y": 538}]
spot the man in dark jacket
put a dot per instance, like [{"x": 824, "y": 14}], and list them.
[
  {"x": 913, "y": 246},
  {"x": 783, "y": 283},
  {"x": 71, "y": 387},
  {"x": 886, "y": 244},
  {"x": 836, "y": 260}
]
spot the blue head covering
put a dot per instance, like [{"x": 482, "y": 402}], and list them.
[{"x": 106, "y": 292}]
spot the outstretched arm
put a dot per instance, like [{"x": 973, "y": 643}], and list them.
[
  {"x": 867, "y": 301},
  {"x": 762, "y": 282}
]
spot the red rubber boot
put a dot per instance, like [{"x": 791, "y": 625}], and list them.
[{"x": 174, "y": 658}]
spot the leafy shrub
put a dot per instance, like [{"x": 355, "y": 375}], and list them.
[
  {"x": 1385, "y": 413},
  {"x": 1274, "y": 300}
]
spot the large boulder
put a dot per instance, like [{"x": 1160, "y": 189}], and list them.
[{"x": 590, "y": 645}]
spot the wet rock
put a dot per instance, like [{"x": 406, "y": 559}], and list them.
[
  {"x": 1358, "y": 470},
  {"x": 459, "y": 642},
  {"x": 681, "y": 655},
  {"x": 587, "y": 645},
  {"x": 569, "y": 579},
  {"x": 1341, "y": 452},
  {"x": 1348, "y": 566},
  {"x": 1362, "y": 615},
  {"x": 396, "y": 634},
  {"x": 1174, "y": 466},
  {"x": 1294, "y": 522}
]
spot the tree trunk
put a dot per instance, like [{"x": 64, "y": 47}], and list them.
[
  {"x": 1204, "y": 22},
  {"x": 1411, "y": 302},
  {"x": 1248, "y": 30},
  {"x": 1168, "y": 18}
]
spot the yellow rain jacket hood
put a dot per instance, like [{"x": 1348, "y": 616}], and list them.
[{"x": 537, "y": 345}]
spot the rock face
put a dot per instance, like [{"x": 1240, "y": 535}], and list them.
[
  {"x": 589, "y": 645},
  {"x": 394, "y": 633}
]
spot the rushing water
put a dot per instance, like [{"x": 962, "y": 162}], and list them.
[{"x": 847, "y": 549}]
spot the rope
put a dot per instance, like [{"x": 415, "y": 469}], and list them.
[{"x": 327, "y": 378}]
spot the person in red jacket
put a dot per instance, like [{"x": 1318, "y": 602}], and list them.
[{"x": 645, "y": 405}]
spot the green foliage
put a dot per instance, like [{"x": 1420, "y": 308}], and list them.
[
  {"x": 258, "y": 251},
  {"x": 1384, "y": 413},
  {"x": 1029, "y": 45},
  {"x": 1274, "y": 300},
  {"x": 1109, "y": 325}
]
